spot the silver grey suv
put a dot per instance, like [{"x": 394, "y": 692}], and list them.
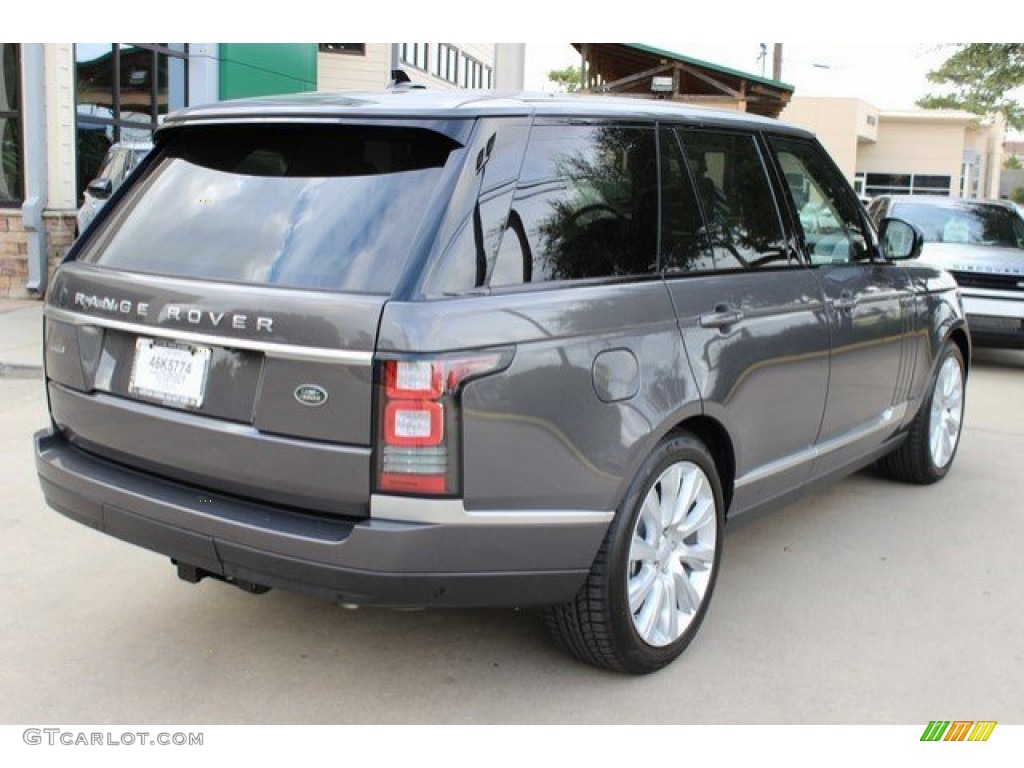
[
  {"x": 981, "y": 243},
  {"x": 465, "y": 350}
]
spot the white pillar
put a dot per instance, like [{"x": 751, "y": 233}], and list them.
[
  {"x": 509, "y": 66},
  {"x": 203, "y": 73},
  {"x": 34, "y": 119}
]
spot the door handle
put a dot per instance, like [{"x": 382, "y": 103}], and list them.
[{"x": 720, "y": 318}]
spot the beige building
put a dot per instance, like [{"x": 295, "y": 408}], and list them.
[
  {"x": 936, "y": 152},
  {"x": 367, "y": 66}
]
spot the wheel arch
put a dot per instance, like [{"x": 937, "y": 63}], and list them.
[
  {"x": 959, "y": 337},
  {"x": 714, "y": 435}
]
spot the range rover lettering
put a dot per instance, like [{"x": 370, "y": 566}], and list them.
[{"x": 416, "y": 349}]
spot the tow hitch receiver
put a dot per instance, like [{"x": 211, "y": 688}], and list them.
[{"x": 193, "y": 575}]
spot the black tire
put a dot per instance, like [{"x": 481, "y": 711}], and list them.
[
  {"x": 914, "y": 461},
  {"x": 598, "y": 626}
]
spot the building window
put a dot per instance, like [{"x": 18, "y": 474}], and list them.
[
  {"x": 122, "y": 91},
  {"x": 417, "y": 55},
  {"x": 905, "y": 184},
  {"x": 447, "y": 62},
  {"x": 11, "y": 147},
  {"x": 349, "y": 49},
  {"x": 473, "y": 74}
]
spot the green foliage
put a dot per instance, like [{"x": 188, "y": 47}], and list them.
[
  {"x": 567, "y": 79},
  {"x": 1012, "y": 163},
  {"x": 980, "y": 78},
  {"x": 1017, "y": 195}
]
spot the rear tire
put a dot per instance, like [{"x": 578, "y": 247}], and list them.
[
  {"x": 651, "y": 582},
  {"x": 927, "y": 454}
]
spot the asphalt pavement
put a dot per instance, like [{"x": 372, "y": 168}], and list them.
[{"x": 871, "y": 602}]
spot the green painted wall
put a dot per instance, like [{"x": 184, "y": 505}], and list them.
[{"x": 264, "y": 69}]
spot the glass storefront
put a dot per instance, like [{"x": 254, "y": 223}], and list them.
[
  {"x": 11, "y": 147},
  {"x": 122, "y": 90},
  {"x": 906, "y": 184}
]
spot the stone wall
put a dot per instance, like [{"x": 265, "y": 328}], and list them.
[{"x": 60, "y": 233}]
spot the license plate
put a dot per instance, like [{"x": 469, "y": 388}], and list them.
[{"x": 172, "y": 373}]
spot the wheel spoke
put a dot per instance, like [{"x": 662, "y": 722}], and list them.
[
  {"x": 641, "y": 550},
  {"x": 650, "y": 516},
  {"x": 687, "y": 598},
  {"x": 671, "y": 630},
  {"x": 640, "y": 587},
  {"x": 669, "y": 484},
  {"x": 690, "y": 485},
  {"x": 698, "y": 557},
  {"x": 702, "y": 514},
  {"x": 647, "y": 619}
]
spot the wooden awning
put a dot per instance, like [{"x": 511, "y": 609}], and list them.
[{"x": 629, "y": 69}]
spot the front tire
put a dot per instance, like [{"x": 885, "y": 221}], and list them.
[
  {"x": 652, "y": 579},
  {"x": 927, "y": 454}
]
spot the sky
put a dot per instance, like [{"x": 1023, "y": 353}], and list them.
[{"x": 865, "y": 51}]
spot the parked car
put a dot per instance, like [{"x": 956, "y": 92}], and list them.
[
  {"x": 982, "y": 244},
  {"x": 461, "y": 350},
  {"x": 120, "y": 160}
]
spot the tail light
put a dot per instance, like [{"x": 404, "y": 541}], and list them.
[{"x": 420, "y": 420}]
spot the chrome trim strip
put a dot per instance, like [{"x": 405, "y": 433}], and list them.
[
  {"x": 270, "y": 349},
  {"x": 453, "y": 512},
  {"x": 888, "y": 418}
]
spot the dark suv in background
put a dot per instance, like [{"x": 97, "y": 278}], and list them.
[
  {"x": 459, "y": 349},
  {"x": 982, "y": 244}
]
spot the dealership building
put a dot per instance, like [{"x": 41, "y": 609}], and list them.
[{"x": 916, "y": 152}]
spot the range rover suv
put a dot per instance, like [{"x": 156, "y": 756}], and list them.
[
  {"x": 468, "y": 350},
  {"x": 981, "y": 243}
]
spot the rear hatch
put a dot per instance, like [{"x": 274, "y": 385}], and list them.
[{"x": 218, "y": 325}]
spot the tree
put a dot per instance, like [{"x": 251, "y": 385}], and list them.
[
  {"x": 1012, "y": 163},
  {"x": 980, "y": 78},
  {"x": 568, "y": 78}
]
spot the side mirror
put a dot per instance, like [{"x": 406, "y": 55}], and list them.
[
  {"x": 101, "y": 189},
  {"x": 899, "y": 240}
]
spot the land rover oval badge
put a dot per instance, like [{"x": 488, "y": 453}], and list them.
[{"x": 311, "y": 395}]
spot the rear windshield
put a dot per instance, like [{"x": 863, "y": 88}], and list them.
[
  {"x": 967, "y": 224},
  {"x": 324, "y": 207}
]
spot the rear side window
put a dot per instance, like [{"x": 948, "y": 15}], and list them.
[
  {"x": 303, "y": 206},
  {"x": 586, "y": 206}
]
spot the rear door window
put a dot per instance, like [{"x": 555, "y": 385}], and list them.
[
  {"x": 333, "y": 207},
  {"x": 735, "y": 196}
]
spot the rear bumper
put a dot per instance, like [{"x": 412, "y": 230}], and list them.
[{"x": 538, "y": 560}]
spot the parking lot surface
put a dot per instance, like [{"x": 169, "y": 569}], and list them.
[{"x": 869, "y": 602}]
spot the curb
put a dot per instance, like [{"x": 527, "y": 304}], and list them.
[{"x": 13, "y": 371}]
